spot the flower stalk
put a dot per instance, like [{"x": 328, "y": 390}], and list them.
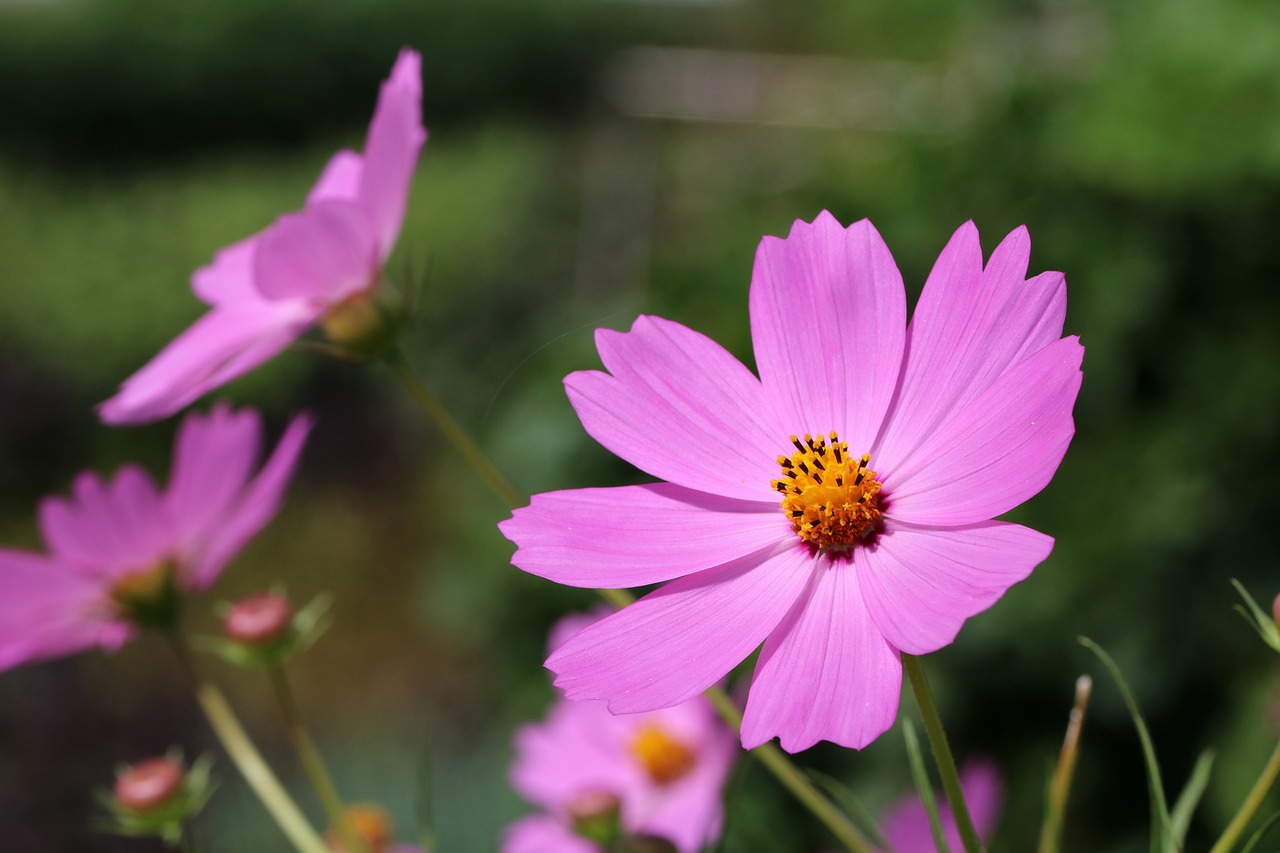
[
  {"x": 1060, "y": 782},
  {"x": 941, "y": 752},
  {"x": 1249, "y": 807}
]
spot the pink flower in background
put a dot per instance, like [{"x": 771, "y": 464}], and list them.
[
  {"x": 662, "y": 773},
  {"x": 906, "y": 826},
  {"x": 268, "y": 289},
  {"x": 838, "y": 509},
  {"x": 120, "y": 551}
]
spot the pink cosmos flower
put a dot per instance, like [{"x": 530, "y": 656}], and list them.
[
  {"x": 662, "y": 772},
  {"x": 121, "y": 552},
  {"x": 268, "y": 289},
  {"x": 906, "y": 826},
  {"x": 837, "y": 509}
]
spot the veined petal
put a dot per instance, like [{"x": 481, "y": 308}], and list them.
[
  {"x": 229, "y": 278},
  {"x": 828, "y": 319},
  {"x": 225, "y": 343},
  {"x": 679, "y": 640},
  {"x": 998, "y": 450},
  {"x": 323, "y": 253},
  {"x": 258, "y": 504},
  {"x": 106, "y": 528},
  {"x": 391, "y": 151},
  {"x": 825, "y": 673},
  {"x": 340, "y": 178},
  {"x": 680, "y": 407},
  {"x": 921, "y": 584},
  {"x": 635, "y": 535},
  {"x": 544, "y": 834},
  {"x": 213, "y": 456},
  {"x": 970, "y": 325}
]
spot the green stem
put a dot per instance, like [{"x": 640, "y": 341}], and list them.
[
  {"x": 312, "y": 764},
  {"x": 1250, "y": 805},
  {"x": 453, "y": 433},
  {"x": 1060, "y": 782},
  {"x": 941, "y": 753}
]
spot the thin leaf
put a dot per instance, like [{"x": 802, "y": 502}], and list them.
[
  {"x": 923, "y": 785},
  {"x": 852, "y": 806},
  {"x": 1264, "y": 624},
  {"x": 1162, "y": 835},
  {"x": 1262, "y": 831},
  {"x": 1190, "y": 796}
]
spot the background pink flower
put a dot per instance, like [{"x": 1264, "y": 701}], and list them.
[
  {"x": 268, "y": 289},
  {"x": 906, "y": 825},
  {"x": 923, "y": 433},
  {"x": 121, "y": 544}
]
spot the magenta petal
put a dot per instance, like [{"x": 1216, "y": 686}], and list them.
[
  {"x": 825, "y": 673},
  {"x": 579, "y": 749},
  {"x": 678, "y": 641},
  {"x": 636, "y": 535},
  {"x": 681, "y": 408},
  {"x": 258, "y": 505},
  {"x": 229, "y": 278},
  {"x": 544, "y": 834},
  {"x": 391, "y": 151},
  {"x": 340, "y": 179},
  {"x": 828, "y": 318},
  {"x": 213, "y": 456},
  {"x": 921, "y": 584},
  {"x": 323, "y": 253},
  {"x": 225, "y": 343},
  {"x": 107, "y": 527},
  {"x": 969, "y": 327},
  {"x": 996, "y": 452},
  {"x": 906, "y": 825}
]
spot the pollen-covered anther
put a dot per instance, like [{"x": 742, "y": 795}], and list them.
[
  {"x": 831, "y": 497},
  {"x": 662, "y": 756}
]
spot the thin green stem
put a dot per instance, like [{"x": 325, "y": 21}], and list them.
[
  {"x": 941, "y": 752},
  {"x": 252, "y": 766},
  {"x": 1060, "y": 782},
  {"x": 312, "y": 764},
  {"x": 452, "y": 432},
  {"x": 1250, "y": 805}
]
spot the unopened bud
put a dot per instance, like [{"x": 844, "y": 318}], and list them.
[
  {"x": 258, "y": 619},
  {"x": 372, "y": 827},
  {"x": 149, "y": 785},
  {"x": 1275, "y": 611}
]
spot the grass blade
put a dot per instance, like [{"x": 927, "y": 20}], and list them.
[
  {"x": 1180, "y": 817},
  {"x": 923, "y": 785}
]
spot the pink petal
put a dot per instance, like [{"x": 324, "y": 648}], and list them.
[
  {"x": 229, "y": 279},
  {"x": 543, "y": 834},
  {"x": 340, "y": 179},
  {"x": 690, "y": 812},
  {"x": 906, "y": 826},
  {"x": 825, "y": 672},
  {"x": 996, "y": 452},
  {"x": 225, "y": 343},
  {"x": 323, "y": 253},
  {"x": 258, "y": 504},
  {"x": 921, "y": 584},
  {"x": 828, "y": 314},
  {"x": 107, "y": 528},
  {"x": 636, "y": 535},
  {"x": 213, "y": 456},
  {"x": 969, "y": 327},
  {"x": 678, "y": 641},
  {"x": 681, "y": 408},
  {"x": 579, "y": 749},
  {"x": 391, "y": 150}
]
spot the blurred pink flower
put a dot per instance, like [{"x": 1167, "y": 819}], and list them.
[
  {"x": 663, "y": 772},
  {"x": 883, "y": 542},
  {"x": 268, "y": 289},
  {"x": 121, "y": 552},
  {"x": 906, "y": 826}
]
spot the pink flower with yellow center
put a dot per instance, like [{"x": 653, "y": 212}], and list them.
[
  {"x": 322, "y": 264},
  {"x": 838, "y": 508},
  {"x": 122, "y": 553}
]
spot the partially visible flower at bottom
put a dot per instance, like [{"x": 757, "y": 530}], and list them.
[
  {"x": 375, "y": 830},
  {"x": 906, "y": 826},
  {"x": 122, "y": 553}
]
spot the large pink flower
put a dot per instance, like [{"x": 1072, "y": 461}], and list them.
[
  {"x": 268, "y": 289},
  {"x": 891, "y": 449},
  {"x": 121, "y": 552}
]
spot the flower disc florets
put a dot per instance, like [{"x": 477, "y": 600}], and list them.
[
  {"x": 831, "y": 498},
  {"x": 663, "y": 757}
]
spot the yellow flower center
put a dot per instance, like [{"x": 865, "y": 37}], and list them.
[
  {"x": 831, "y": 497},
  {"x": 663, "y": 757},
  {"x": 147, "y": 597}
]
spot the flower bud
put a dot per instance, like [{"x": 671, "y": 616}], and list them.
[
  {"x": 258, "y": 619},
  {"x": 150, "y": 785},
  {"x": 1275, "y": 611},
  {"x": 371, "y": 825},
  {"x": 365, "y": 325}
]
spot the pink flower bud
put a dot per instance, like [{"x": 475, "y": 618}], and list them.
[
  {"x": 149, "y": 785},
  {"x": 1275, "y": 611},
  {"x": 258, "y": 619}
]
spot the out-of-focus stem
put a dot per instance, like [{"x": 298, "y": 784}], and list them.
[
  {"x": 1250, "y": 805},
  {"x": 1060, "y": 783},
  {"x": 941, "y": 752},
  {"x": 453, "y": 433},
  {"x": 312, "y": 764}
]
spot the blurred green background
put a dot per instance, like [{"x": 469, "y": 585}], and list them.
[{"x": 590, "y": 160}]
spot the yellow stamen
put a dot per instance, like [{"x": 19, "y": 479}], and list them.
[
  {"x": 663, "y": 757},
  {"x": 831, "y": 498}
]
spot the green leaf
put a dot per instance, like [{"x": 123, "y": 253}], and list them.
[
  {"x": 852, "y": 806},
  {"x": 1257, "y": 617},
  {"x": 1185, "y": 807},
  {"x": 1163, "y": 838},
  {"x": 1262, "y": 831},
  {"x": 923, "y": 785}
]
